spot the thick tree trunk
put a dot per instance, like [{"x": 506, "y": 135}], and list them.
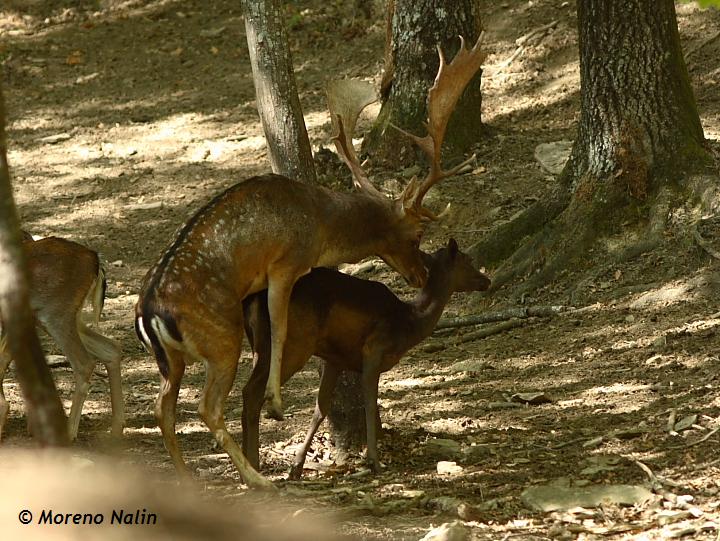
[
  {"x": 276, "y": 92},
  {"x": 639, "y": 134},
  {"x": 44, "y": 410},
  {"x": 416, "y": 29},
  {"x": 638, "y": 115}
]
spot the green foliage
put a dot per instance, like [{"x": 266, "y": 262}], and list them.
[{"x": 706, "y": 3}]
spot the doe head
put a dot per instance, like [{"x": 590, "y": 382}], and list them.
[{"x": 458, "y": 266}]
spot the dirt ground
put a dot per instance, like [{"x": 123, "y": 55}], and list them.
[{"x": 127, "y": 116}]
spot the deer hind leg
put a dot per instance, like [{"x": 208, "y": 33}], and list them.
[
  {"x": 108, "y": 352},
  {"x": 66, "y": 335},
  {"x": 221, "y": 368},
  {"x": 279, "y": 290},
  {"x": 4, "y": 406},
  {"x": 165, "y": 408},
  {"x": 322, "y": 407}
]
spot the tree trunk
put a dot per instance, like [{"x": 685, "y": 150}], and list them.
[
  {"x": 44, "y": 411},
  {"x": 346, "y": 418},
  {"x": 347, "y": 415},
  {"x": 276, "y": 92},
  {"x": 638, "y": 114},
  {"x": 639, "y": 134},
  {"x": 415, "y": 30}
]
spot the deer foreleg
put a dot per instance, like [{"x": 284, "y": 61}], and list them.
[{"x": 370, "y": 379}]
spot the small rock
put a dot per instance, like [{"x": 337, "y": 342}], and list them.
[
  {"x": 117, "y": 263},
  {"x": 443, "y": 448},
  {"x": 468, "y": 366},
  {"x": 469, "y": 513},
  {"x": 446, "y": 504},
  {"x": 630, "y": 318},
  {"x": 531, "y": 398},
  {"x": 450, "y": 531},
  {"x": 659, "y": 343},
  {"x": 477, "y": 453},
  {"x": 552, "y": 156},
  {"x": 446, "y": 467}
]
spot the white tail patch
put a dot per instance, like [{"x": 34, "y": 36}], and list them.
[
  {"x": 160, "y": 329},
  {"x": 144, "y": 337}
]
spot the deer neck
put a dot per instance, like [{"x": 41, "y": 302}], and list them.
[
  {"x": 429, "y": 304},
  {"x": 354, "y": 226}
]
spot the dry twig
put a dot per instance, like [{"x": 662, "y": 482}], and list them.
[{"x": 502, "y": 315}]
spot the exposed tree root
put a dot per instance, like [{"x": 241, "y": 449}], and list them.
[
  {"x": 705, "y": 245},
  {"x": 650, "y": 240},
  {"x": 570, "y": 230},
  {"x": 503, "y": 240}
]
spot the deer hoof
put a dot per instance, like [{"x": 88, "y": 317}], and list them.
[{"x": 275, "y": 409}]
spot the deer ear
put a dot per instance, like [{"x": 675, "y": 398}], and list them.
[{"x": 452, "y": 247}]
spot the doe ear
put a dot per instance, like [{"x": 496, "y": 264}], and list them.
[{"x": 452, "y": 247}]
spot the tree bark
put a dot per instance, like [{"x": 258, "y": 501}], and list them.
[
  {"x": 639, "y": 134},
  {"x": 638, "y": 113},
  {"x": 415, "y": 29},
  {"x": 276, "y": 92},
  {"x": 346, "y": 417},
  {"x": 46, "y": 417}
]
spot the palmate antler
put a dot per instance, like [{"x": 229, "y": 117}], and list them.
[
  {"x": 346, "y": 100},
  {"x": 450, "y": 82}
]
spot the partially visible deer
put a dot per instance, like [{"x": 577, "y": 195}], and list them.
[
  {"x": 64, "y": 276},
  {"x": 266, "y": 232},
  {"x": 352, "y": 324}
]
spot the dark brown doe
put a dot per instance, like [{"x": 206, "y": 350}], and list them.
[
  {"x": 266, "y": 232},
  {"x": 352, "y": 324}
]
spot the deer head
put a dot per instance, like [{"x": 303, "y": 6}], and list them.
[{"x": 347, "y": 99}]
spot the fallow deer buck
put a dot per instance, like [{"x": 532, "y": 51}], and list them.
[
  {"x": 352, "y": 324},
  {"x": 64, "y": 276},
  {"x": 266, "y": 232}
]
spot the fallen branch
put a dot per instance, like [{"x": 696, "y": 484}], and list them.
[
  {"x": 502, "y": 315},
  {"x": 489, "y": 331},
  {"x": 697, "y": 442}
]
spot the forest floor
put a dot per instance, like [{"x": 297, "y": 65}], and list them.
[{"x": 127, "y": 116}]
